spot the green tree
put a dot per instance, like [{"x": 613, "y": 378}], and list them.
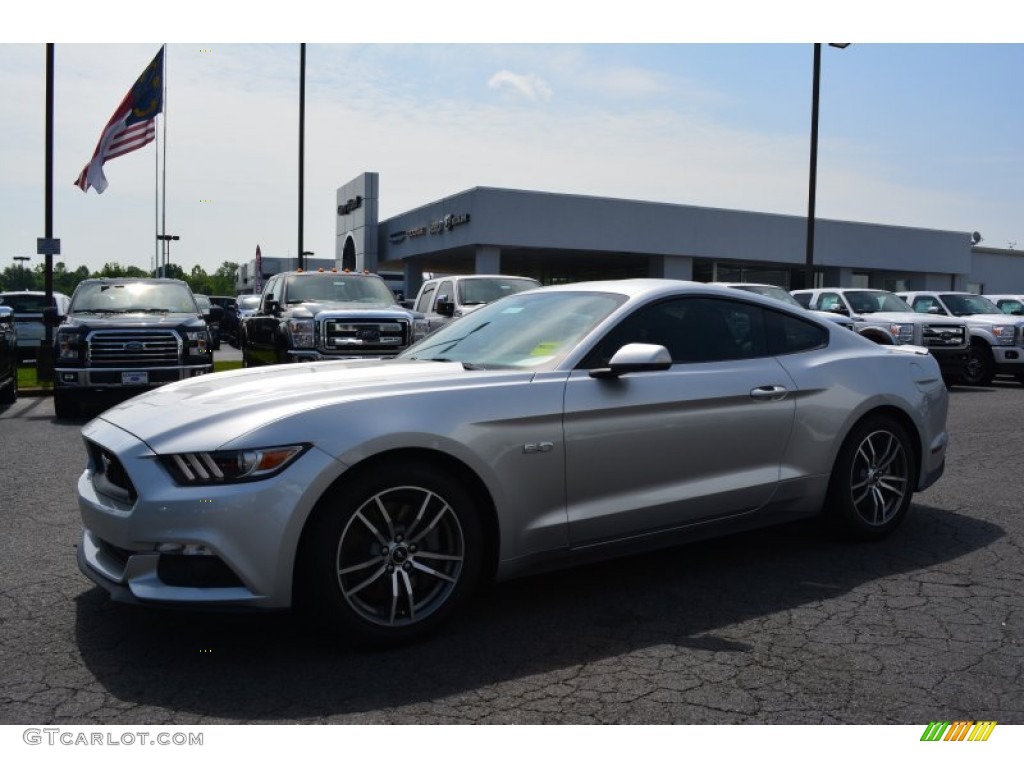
[
  {"x": 223, "y": 280},
  {"x": 17, "y": 278},
  {"x": 113, "y": 269}
]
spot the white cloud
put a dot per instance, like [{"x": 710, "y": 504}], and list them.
[{"x": 531, "y": 86}]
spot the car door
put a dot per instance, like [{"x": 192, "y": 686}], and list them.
[
  {"x": 260, "y": 327},
  {"x": 702, "y": 440}
]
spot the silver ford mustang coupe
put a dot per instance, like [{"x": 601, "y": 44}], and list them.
[{"x": 563, "y": 423}]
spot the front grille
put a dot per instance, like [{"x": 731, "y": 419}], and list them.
[
  {"x": 133, "y": 348},
  {"x": 109, "y": 475},
  {"x": 364, "y": 336},
  {"x": 944, "y": 336}
]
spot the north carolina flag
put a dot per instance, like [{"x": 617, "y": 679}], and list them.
[{"x": 132, "y": 126}]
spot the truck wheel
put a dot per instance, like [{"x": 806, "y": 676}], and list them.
[
  {"x": 873, "y": 479},
  {"x": 392, "y": 553},
  {"x": 9, "y": 394},
  {"x": 980, "y": 368},
  {"x": 64, "y": 405}
]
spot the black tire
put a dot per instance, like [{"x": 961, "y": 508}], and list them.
[
  {"x": 391, "y": 554},
  {"x": 9, "y": 394},
  {"x": 981, "y": 368},
  {"x": 873, "y": 479},
  {"x": 64, "y": 405}
]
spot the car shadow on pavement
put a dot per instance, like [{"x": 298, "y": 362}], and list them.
[{"x": 692, "y": 601}]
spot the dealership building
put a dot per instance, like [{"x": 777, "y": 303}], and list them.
[{"x": 560, "y": 238}]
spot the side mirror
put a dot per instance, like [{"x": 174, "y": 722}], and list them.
[
  {"x": 446, "y": 308},
  {"x": 635, "y": 358},
  {"x": 272, "y": 306},
  {"x": 52, "y": 317}
]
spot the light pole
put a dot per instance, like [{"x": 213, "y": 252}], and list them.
[
  {"x": 167, "y": 251},
  {"x": 813, "y": 176}
]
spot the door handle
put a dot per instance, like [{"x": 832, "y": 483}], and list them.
[{"x": 771, "y": 393}]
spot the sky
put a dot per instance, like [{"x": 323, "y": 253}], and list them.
[{"x": 919, "y": 126}]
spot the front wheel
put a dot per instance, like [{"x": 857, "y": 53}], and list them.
[
  {"x": 873, "y": 479},
  {"x": 9, "y": 394},
  {"x": 64, "y": 405},
  {"x": 393, "y": 553},
  {"x": 980, "y": 368}
]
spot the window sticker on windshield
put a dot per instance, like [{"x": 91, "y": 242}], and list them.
[{"x": 544, "y": 348}]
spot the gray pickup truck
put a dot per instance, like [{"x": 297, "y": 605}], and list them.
[{"x": 326, "y": 315}]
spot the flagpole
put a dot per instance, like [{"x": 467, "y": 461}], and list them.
[
  {"x": 156, "y": 205},
  {"x": 163, "y": 227}
]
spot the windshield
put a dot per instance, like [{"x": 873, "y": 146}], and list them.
[
  {"x": 484, "y": 290},
  {"x": 133, "y": 297},
  {"x": 772, "y": 292},
  {"x": 961, "y": 305},
  {"x": 866, "y": 302},
  {"x": 522, "y": 331},
  {"x": 339, "y": 288}
]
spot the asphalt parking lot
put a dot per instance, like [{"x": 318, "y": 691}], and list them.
[{"x": 778, "y": 626}]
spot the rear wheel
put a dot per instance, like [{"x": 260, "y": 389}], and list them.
[
  {"x": 392, "y": 554},
  {"x": 873, "y": 479}
]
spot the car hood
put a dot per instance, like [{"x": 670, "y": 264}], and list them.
[
  {"x": 134, "y": 320},
  {"x": 999, "y": 319},
  {"x": 215, "y": 409},
  {"x": 904, "y": 317},
  {"x": 326, "y": 308}
]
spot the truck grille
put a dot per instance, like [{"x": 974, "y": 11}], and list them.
[
  {"x": 363, "y": 337},
  {"x": 944, "y": 336},
  {"x": 127, "y": 348}
]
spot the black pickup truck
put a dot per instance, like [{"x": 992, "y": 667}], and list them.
[
  {"x": 326, "y": 315},
  {"x": 122, "y": 336}
]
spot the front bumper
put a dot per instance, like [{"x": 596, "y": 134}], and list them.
[
  {"x": 1008, "y": 359},
  {"x": 951, "y": 361},
  {"x": 228, "y": 546},
  {"x": 312, "y": 355},
  {"x": 123, "y": 378}
]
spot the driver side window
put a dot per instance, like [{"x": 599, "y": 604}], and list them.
[{"x": 693, "y": 330}]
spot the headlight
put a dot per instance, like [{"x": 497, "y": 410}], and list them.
[
  {"x": 67, "y": 344},
  {"x": 216, "y": 467},
  {"x": 200, "y": 340},
  {"x": 419, "y": 328},
  {"x": 1004, "y": 334},
  {"x": 904, "y": 332},
  {"x": 301, "y": 332}
]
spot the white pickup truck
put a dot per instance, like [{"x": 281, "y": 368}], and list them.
[
  {"x": 997, "y": 339},
  {"x": 441, "y": 299}
]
